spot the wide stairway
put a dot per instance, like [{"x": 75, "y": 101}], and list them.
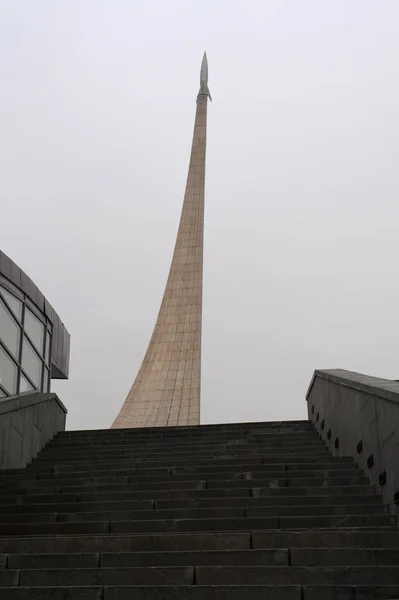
[{"x": 218, "y": 512}]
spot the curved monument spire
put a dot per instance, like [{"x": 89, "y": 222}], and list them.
[{"x": 166, "y": 391}]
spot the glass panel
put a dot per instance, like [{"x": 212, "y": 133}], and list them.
[
  {"x": 2, "y": 394},
  {"x": 47, "y": 349},
  {"x": 24, "y": 385},
  {"x": 8, "y": 372},
  {"x": 31, "y": 363},
  {"x": 9, "y": 330},
  {"x": 35, "y": 329},
  {"x": 13, "y": 302}
]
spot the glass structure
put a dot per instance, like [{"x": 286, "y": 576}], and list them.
[{"x": 25, "y": 343}]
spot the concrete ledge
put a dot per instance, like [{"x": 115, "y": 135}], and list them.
[
  {"x": 358, "y": 416},
  {"x": 383, "y": 388},
  {"x": 28, "y": 399},
  {"x": 27, "y": 423}
]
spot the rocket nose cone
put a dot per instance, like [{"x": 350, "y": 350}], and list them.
[{"x": 204, "y": 69}]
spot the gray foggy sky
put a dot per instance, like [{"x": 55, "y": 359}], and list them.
[{"x": 97, "y": 106}]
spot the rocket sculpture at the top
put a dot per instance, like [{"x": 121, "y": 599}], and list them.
[
  {"x": 204, "y": 78},
  {"x": 166, "y": 391}
]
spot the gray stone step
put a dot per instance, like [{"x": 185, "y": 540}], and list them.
[
  {"x": 168, "y": 542},
  {"x": 157, "y": 494},
  {"x": 179, "y": 513},
  {"x": 273, "y": 502},
  {"x": 334, "y": 557},
  {"x": 358, "y": 592},
  {"x": 204, "y": 593},
  {"x": 214, "y": 461},
  {"x": 138, "y": 477},
  {"x": 69, "y": 458},
  {"x": 267, "y": 438},
  {"x": 181, "y": 484},
  {"x": 195, "y": 525},
  {"x": 181, "y": 433},
  {"x": 108, "y": 576},
  {"x": 343, "y": 556},
  {"x": 204, "y": 575},
  {"x": 259, "y": 492},
  {"x": 280, "y": 440},
  {"x": 215, "y": 464},
  {"x": 131, "y": 543},
  {"x": 190, "y": 444},
  {"x": 197, "y": 513},
  {"x": 311, "y": 503},
  {"x": 63, "y": 593},
  {"x": 197, "y": 592},
  {"x": 139, "y": 559},
  {"x": 193, "y": 430},
  {"x": 325, "y": 539},
  {"x": 271, "y": 575},
  {"x": 243, "y": 524},
  {"x": 332, "y": 469}
]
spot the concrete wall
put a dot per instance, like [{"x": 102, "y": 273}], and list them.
[
  {"x": 358, "y": 416},
  {"x": 27, "y": 423}
]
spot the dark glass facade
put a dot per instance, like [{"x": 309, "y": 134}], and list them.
[
  {"x": 34, "y": 343},
  {"x": 25, "y": 342}
]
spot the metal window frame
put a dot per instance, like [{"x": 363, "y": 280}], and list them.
[{"x": 45, "y": 368}]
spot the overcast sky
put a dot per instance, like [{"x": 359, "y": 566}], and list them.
[{"x": 97, "y": 106}]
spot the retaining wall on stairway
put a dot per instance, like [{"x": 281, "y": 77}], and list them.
[
  {"x": 27, "y": 423},
  {"x": 358, "y": 416}
]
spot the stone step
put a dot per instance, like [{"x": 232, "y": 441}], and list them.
[
  {"x": 358, "y": 592},
  {"x": 215, "y": 464},
  {"x": 202, "y": 576},
  {"x": 190, "y": 444},
  {"x": 220, "y": 438},
  {"x": 298, "y": 470},
  {"x": 274, "y": 556},
  {"x": 213, "y": 461},
  {"x": 130, "y": 543},
  {"x": 196, "y": 592},
  {"x": 193, "y": 430},
  {"x": 310, "y": 502},
  {"x": 128, "y": 515},
  {"x": 271, "y": 438},
  {"x": 176, "y": 433},
  {"x": 108, "y": 576},
  {"x": 179, "y": 559},
  {"x": 157, "y": 494},
  {"x": 203, "y": 541},
  {"x": 136, "y": 476},
  {"x": 271, "y": 575},
  {"x": 145, "y": 463},
  {"x": 344, "y": 557},
  {"x": 259, "y": 492},
  {"x": 335, "y": 504},
  {"x": 204, "y": 454},
  {"x": 195, "y": 524},
  {"x": 316, "y": 539},
  {"x": 153, "y": 456},
  {"x": 173, "y": 483},
  {"x": 196, "y": 513}
]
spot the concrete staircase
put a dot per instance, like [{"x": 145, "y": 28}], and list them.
[{"x": 219, "y": 512}]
